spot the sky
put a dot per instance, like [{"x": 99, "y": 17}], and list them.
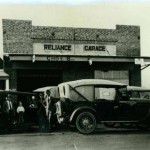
[{"x": 83, "y": 13}]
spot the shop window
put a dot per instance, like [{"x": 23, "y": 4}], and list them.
[
  {"x": 121, "y": 76},
  {"x": 116, "y": 74},
  {"x": 124, "y": 74},
  {"x": 108, "y": 75}
]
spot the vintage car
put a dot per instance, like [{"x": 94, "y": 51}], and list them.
[{"x": 88, "y": 102}]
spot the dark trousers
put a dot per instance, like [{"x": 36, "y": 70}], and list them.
[
  {"x": 21, "y": 117},
  {"x": 49, "y": 122},
  {"x": 41, "y": 122},
  {"x": 8, "y": 120}
]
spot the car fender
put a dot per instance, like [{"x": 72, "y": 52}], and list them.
[{"x": 76, "y": 111}]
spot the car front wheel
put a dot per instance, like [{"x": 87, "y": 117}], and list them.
[{"x": 86, "y": 122}]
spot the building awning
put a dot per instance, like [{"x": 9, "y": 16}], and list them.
[
  {"x": 78, "y": 58},
  {"x": 3, "y": 75}
]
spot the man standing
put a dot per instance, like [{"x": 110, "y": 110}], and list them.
[
  {"x": 8, "y": 113},
  {"x": 49, "y": 108},
  {"x": 41, "y": 113}
]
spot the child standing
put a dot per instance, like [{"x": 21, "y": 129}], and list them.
[{"x": 20, "y": 111}]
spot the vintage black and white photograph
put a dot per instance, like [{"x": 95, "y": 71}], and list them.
[{"x": 74, "y": 75}]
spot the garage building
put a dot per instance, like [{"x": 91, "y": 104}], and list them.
[{"x": 38, "y": 56}]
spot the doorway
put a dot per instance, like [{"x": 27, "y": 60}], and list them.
[{"x": 29, "y": 80}]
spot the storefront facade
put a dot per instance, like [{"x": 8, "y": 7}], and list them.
[{"x": 37, "y": 56}]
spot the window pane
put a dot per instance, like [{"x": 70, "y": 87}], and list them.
[
  {"x": 124, "y": 74},
  {"x": 116, "y": 74},
  {"x": 145, "y": 95},
  {"x": 99, "y": 74},
  {"x": 134, "y": 95},
  {"x": 86, "y": 91},
  {"x": 74, "y": 96},
  {"x": 105, "y": 93},
  {"x": 108, "y": 75}
]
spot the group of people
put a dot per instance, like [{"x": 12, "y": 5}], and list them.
[
  {"x": 9, "y": 113},
  {"x": 45, "y": 112}
]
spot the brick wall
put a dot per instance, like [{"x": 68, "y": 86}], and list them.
[
  {"x": 88, "y": 34},
  {"x": 128, "y": 40},
  {"x": 52, "y": 33},
  {"x": 18, "y": 36}
]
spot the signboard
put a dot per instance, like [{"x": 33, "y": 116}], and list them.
[
  {"x": 139, "y": 61},
  {"x": 74, "y": 49}
]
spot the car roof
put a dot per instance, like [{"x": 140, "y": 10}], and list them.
[
  {"x": 43, "y": 89},
  {"x": 137, "y": 88},
  {"x": 92, "y": 82},
  {"x": 16, "y": 92}
]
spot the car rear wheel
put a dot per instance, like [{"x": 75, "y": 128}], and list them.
[{"x": 86, "y": 122}]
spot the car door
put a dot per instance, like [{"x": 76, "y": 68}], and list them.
[
  {"x": 127, "y": 110},
  {"x": 142, "y": 103},
  {"x": 132, "y": 108},
  {"x": 105, "y": 103}
]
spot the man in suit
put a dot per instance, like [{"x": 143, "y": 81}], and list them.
[
  {"x": 41, "y": 113},
  {"x": 8, "y": 112}
]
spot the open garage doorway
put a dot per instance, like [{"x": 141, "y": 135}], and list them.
[{"x": 29, "y": 80}]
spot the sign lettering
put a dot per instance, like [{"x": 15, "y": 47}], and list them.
[
  {"x": 57, "y": 58},
  {"x": 57, "y": 47},
  {"x": 94, "y": 48}
]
